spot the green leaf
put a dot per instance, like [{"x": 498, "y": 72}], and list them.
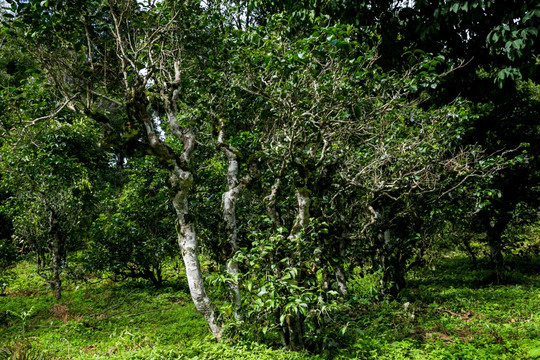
[{"x": 534, "y": 353}]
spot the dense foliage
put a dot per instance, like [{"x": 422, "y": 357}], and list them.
[
  {"x": 305, "y": 160},
  {"x": 134, "y": 233}
]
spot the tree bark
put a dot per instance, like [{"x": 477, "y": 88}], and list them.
[
  {"x": 230, "y": 198},
  {"x": 270, "y": 202},
  {"x": 495, "y": 243},
  {"x": 295, "y": 324},
  {"x": 341, "y": 280},
  {"x": 495, "y": 253},
  {"x": 393, "y": 268},
  {"x": 181, "y": 181},
  {"x": 187, "y": 240},
  {"x": 302, "y": 216},
  {"x": 470, "y": 251}
]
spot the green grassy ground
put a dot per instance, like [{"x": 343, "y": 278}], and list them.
[
  {"x": 102, "y": 319},
  {"x": 449, "y": 312},
  {"x": 454, "y": 312}
]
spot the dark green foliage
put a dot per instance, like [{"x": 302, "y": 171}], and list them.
[
  {"x": 134, "y": 234},
  {"x": 8, "y": 250},
  {"x": 287, "y": 281},
  {"x": 51, "y": 176}
]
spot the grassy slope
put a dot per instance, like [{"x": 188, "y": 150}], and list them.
[{"x": 449, "y": 312}]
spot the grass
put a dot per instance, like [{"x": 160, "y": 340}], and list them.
[
  {"x": 102, "y": 319},
  {"x": 449, "y": 311}
]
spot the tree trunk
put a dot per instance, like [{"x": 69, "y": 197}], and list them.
[
  {"x": 337, "y": 253},
  {"x": 187, "y": 240},
  {"x": 495, "y": 253},
  {"x": 270, "y": 200},
  {"x": 341, "y": 280},
  {"x": 494, "y": 239},
  {"x": 56, "y": 264},
  {"x": 302, "y": 217},
  {"x": 181, "y": 181},
  {"x": 470, "y": 251},
  {"x": 295, "y": 323},
  {"x": 270, "y": 204},
  {"x": 56, "y": 282},
  {"x": 295, "y": 326},
  {"x": 229, "y": 215},
  {"x": 230, "y": 198},
  {"x": 389, "y": 260}
]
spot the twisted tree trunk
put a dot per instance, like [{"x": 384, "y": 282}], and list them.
[
  {"x": 230, "y": 198},
  {"x": 295, "y": 324},
  {"x": 187, "y": 240},
  {"x": 181, "y": 181}
]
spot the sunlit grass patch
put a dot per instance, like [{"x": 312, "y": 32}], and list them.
[
  {"x": 446, "y": 313},
  {"x": 103, "y": 319},
  {"x": 94, "y": 318}
]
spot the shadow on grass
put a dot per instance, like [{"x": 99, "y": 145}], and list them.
[
  {"x": 451, "y": 310},
  {"x": 458, "y": 272}
]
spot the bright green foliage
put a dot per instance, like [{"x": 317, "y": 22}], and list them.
[{"x": 286, "y": 280}]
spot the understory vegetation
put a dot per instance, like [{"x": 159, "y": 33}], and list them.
[{"x": 449, "y": 311}]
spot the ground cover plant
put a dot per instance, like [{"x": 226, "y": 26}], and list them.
[
  {"x": 102, "y": 319},
  {"x": 449, "y": 311}
]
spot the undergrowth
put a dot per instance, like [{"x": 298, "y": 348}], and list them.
[{"x": 449, "y": 311}]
